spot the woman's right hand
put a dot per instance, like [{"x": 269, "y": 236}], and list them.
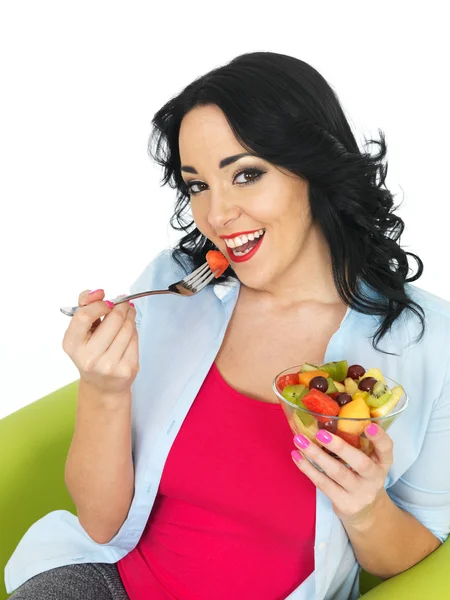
[{"x": 105, "y": 351}]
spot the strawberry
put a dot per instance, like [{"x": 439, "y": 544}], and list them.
[
  {"x": 319, "y": 402},
  {"x": 217, "y": 262},
  {"x": 350, "y": 438}
]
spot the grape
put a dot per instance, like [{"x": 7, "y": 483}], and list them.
[
  {"x": 318, "y": 383},
  {"x": 330, "y": 425},
  {"x": 366, "y": 384},
  {"x": 355, "y": 371},
  {"x": 343, "y": 399}
]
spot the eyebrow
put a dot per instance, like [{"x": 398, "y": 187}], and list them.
[{"x": 223, "y": 163}]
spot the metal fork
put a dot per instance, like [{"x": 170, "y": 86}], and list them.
[{"x": 190, "y": 285}]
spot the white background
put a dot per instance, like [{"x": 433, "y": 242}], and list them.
[{"x": 81, "y": 205}]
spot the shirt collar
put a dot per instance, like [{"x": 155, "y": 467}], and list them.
[{"x": 223, "y": 290}]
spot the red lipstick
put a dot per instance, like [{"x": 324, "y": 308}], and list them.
[{"x": 233, "y": 235}]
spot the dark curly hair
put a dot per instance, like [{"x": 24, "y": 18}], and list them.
[{"x": 282, "y": 110}]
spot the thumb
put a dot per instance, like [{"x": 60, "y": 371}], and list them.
[{"x": 88, "y": 296}]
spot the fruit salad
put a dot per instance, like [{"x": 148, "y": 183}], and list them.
[{"x": 339, "y": 398}]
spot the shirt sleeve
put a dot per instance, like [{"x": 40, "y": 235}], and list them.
[{"x": 424, "y": 489}]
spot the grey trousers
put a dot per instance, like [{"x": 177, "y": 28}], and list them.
[{"x": 86, "y": 581}]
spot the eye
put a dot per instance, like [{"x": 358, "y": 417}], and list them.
[
  {"x": 247, "y": 176},
  {"x": 191, "y": 186}
]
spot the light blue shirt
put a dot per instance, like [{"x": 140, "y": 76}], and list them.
[{"x": 183, "y": 335}]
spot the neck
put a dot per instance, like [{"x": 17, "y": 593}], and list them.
[{"x": 309, "y": 278}]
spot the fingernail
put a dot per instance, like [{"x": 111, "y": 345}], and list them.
[
  {"x": 372, "y": 429},
  {"x": 131, "y": 303},
  {"x": 109, "y": 303},
  {"x": 99, "y": 290},
  {"x": 296, "y": 456},
  {"x": 323, "y": 436},
  {"x": 301, "y": 441}
]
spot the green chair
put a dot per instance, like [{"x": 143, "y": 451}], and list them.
[{"x": 34, "y": 442}]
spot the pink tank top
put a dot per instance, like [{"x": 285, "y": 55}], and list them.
[{"x": 234, "y": 517}]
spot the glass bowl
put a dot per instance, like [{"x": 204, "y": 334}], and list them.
[{"x": 308, "y": 423}]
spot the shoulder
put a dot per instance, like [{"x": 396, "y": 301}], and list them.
[
  {"x": 433, "y": 306},
  {"x": 433, "y": 345},
  {"x": 407, "y": 338},
  {"x": 436, "y": 312}
]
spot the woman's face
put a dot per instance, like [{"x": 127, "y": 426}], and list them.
[{"x": 257, "y": 215}]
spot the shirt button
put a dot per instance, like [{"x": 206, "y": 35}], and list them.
[{"x": 322, "y": 546}]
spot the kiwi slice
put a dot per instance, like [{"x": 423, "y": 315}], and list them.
[
  {"x": 305, "y": 417},
  {"x": 332, "y": 389},
  {"x": 379, "y": 395},
  {"x": 336, "y": 370},
  {"x": 341, "y": 370},
  {"x": 308, "y": 367},
  {"x": 304, "y": 423},
  {"x": 294, "y": 393},
  {"x": 381, "y": 411}
]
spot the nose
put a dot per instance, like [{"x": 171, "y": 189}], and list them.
[{"x": 222, "y": 211}]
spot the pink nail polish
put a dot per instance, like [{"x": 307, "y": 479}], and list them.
[
  {"x": 99, "y": 290},
  {"x": 109, "y": 303},
  {"x": 323, "y": 436},
  {"x": 301, "y": 441},
  {"x": 296, "y": 456},
  {"x": 131, "y": 303},
  {"x": 372, "y": 429}
]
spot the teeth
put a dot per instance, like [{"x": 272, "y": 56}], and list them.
[
  {"x": 242, "y": 253},
  {"x": 240, "y": 240}
]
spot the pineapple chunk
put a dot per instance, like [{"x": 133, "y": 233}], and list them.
[
  {"x": 340, "y": 387},
  {"x": 351, "y": 387},
  {"x": 375, "y": 373}
]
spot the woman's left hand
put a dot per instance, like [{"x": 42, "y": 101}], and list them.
[{"x": 354, "y": 492}]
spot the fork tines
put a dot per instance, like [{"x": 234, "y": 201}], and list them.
[{"x": 200, "y": 277}]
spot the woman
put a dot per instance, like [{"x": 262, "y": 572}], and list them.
[{"x": 186, "y": 480}]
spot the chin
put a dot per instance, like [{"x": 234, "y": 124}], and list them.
[{"x": 254, "y": 279}]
